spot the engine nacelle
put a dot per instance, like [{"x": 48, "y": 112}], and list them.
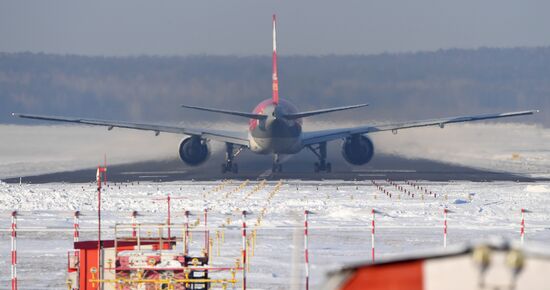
[
  {"x": 194, "y": 151},
  {"x": 358, "y": 149}
]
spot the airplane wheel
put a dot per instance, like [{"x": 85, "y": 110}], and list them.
[
  {"x": 316, "y": 167},
  {"x": 328, "y": 167},
  {"x": 235, "y": 168}
]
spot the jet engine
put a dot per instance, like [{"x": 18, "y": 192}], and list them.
[
  {"x": 358, "y": 149},
  {"x": 194, "y": 150}
]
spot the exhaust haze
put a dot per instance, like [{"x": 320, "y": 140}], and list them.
[{"x": 30, "y": 150}]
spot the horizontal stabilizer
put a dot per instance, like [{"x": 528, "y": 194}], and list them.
[
  {"x": 234, "y": 113},
  {"x": 322, "y": 111}
]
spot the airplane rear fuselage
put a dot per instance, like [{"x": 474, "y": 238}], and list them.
[{"x": 275, "y": 134}]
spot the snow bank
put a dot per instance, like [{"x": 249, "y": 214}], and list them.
[
  {"x": 340, "y": 226},
  {"x": 537, "y": 188}
]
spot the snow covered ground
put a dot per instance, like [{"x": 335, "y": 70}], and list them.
[{"x": 340, "y": 225}]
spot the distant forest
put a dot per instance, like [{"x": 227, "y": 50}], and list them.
[{"x": 397, "y": 86}]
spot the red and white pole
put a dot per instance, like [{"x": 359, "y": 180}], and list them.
[
  {"x": 306, "y": 250},
  {"x": 522, "y": 231},
  {"x": 372, "y": 235},
  {"x": 14, "y": 250},
  {"x": 186, "y": 242},
  {"x": 100, "y": 170},
  {"x": 134, "y": 216},
  {"x": 76, "y": 226},
  {"x": 169, "y": 216},
  {"x": 445, "y": 227},
  {"x": 206, "y": 237},
  {"x": 105, "y": 166},
  {"x": 98, "y": 177},
  {"x": 244, "y": 249}
]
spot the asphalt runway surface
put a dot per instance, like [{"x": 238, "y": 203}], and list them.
[{"x": 298, "y": 166}]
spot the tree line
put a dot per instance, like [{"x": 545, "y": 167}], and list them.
[{"x": 398, "y": 86}]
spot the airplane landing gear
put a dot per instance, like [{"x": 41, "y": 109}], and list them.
[
  {"x": 230, "y": 154},
  {"x": 230, "y": 167},
  {"x": 277, "y": 166},
  {"x": 321, "y": 152},
  {"x": 322, "y": 166}
]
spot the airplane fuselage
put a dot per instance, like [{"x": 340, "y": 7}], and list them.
[{"x": 275, "y": 134}]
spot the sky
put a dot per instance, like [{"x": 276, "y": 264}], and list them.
[{"x": 309, "y": 27}]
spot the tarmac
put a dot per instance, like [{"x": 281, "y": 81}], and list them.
[{"x": 299, "y": 166}]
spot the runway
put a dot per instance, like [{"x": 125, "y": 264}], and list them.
[{"x": 294, "y": 167}]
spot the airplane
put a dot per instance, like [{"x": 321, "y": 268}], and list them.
[{"x": 275, "y": 127}]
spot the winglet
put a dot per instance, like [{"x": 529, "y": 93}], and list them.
[{"x": 275, "y": 77}]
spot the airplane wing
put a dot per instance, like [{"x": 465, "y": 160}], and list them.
[
  {"x": 239, "y": 138},
  {"x": 315, "y": 137}
]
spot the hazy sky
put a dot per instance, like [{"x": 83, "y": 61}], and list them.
[{"x": 243, "y": 27}]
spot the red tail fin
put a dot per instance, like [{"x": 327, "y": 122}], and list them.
[{"x": 275, "y": 77}]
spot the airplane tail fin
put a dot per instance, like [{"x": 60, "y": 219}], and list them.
[
  {"x": 275, "y": 96},
  {"x": 275, "y": 78}
]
